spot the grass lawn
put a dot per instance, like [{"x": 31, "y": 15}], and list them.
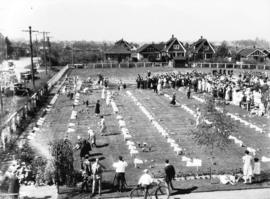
[{"x": 174, "y": 119}]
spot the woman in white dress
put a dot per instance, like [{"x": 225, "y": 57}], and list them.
[
  {"x": 227, "y": 94},
  {"x": 159, "y": 86},
  {"x": 103, "y": 93},
  {"x": 247, "y": 167}
]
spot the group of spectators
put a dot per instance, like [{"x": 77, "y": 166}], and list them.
[
  {"x": 18, "y": 173},
  {"x": 249, "y": 90}
]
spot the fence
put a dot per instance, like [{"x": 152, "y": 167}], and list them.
[
  {"x": 126, "y": 65},
  {"x": 9, "y": 195},
  {"x": 231, "y": 66},
  {"x": 15, "y": 120}
]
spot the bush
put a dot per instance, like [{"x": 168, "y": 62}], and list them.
[
  {"x": 62, "y": 151},
  {"x": 49, "y": 173},
  {"x": 38, "y": 166},
  {"x": 26, "y": 154}
]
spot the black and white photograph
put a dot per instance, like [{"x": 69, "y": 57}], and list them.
[{"x": 134, "y": 99}]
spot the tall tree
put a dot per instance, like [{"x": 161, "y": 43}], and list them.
[
  {"x": 214, "y": 131},
  {"x": 9, "y": 47},
  {"x": 62, "y": 151},
  {"x": 223, "y": 50}
]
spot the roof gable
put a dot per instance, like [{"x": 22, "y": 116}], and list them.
[
  {"x": 202, "y": 45},
  {"x": 124, "y": 44},
  {"x": 151, "y": 48},
  {"x": 251, "y": 52},
  {"x": 171, "y": 47},
  {"x": 118, "y": 50},
  {"x": 120, "y": 47}
]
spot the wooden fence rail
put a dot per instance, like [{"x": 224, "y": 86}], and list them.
[
  {"x": 126, "y": 65},
  {"x": 230, "y": 66}
]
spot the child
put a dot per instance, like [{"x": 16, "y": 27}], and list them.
[
  {"x": 188, "y": 92},
  {"x": 173, "y": 101},
  {"x": 103, "y": 127},
  {"x": 92, "y": 137},
  {"x": 257, "y": 170},
  {"x": 97, "y": 108}
]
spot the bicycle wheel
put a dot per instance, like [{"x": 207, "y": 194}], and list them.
[
  {"x": 137, "y": 192},
  {"x": 162, "y": 192}
]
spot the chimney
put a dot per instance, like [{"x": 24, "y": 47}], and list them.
[
  {"x": 172, "y": 36},
  {"x": 254, "y": 46},
  {"x": 201, "y": 37}
]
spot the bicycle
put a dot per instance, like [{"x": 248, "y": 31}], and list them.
[{"x": 155, "y": 190}]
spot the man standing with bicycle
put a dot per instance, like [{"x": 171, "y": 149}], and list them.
[
  {"x": 145, "y": 181},
  {"x": 169, "y": 174}
]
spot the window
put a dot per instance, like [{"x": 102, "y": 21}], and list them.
[{"x": 176, "y": 47}]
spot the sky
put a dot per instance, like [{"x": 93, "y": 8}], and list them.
[{"x": 137, "y": 20}]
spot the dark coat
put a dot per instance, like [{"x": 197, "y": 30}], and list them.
[
  {"x": 97, "y": 108},
  {"x": 169, "y": 172}
]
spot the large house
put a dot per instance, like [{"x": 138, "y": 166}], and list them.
[
  {"x": 163, "y": 51},
  {"x": 202, "y": 50},
  {"x": 257, "y": 54},
  {"x": 120, "y": 51},
  {"x": 174, "y": 48},
  {"x": 152, "y": 52}
]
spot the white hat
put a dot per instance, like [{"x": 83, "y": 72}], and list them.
[{"x": 78, "y": 137}]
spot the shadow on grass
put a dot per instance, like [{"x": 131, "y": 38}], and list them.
[
  {"x": 102, "y": 145},
  {"x": 113, "y": 133},
  {"x": 45, "y": 197},
  {"x": 107, "y": 114},
  {"x": 107, "y": 188},
  {"x": 96, "y": 154},
  {"x": 184, "y": 191}
]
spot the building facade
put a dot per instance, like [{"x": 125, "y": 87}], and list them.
[
  {"x": 120, "y": 51},
  {"x": 202, "y": 50}
]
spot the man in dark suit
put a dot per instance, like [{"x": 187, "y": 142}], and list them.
[{"x": 169, "y": 174}]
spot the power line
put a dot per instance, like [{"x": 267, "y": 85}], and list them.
[{"x": 44, "y": 33}]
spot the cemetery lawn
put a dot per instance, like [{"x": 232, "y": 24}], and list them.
[{"x": 174, "y": 119}]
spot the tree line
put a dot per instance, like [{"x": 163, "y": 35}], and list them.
[{"x": 64, "y": 52}]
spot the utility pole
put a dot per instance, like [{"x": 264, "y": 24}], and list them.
[
  {"x": 44, "y": 49},
  {"x": 31, "y": 53},
  {"x": 49, "y": 51},
  {"x": 1, "y": 102},
  {"x": 72, "y": 55}
]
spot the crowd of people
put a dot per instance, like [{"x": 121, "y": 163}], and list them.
[{"x": 249, "y": 90}]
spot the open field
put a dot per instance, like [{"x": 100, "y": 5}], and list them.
[{"x": 174, "y": 119}]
